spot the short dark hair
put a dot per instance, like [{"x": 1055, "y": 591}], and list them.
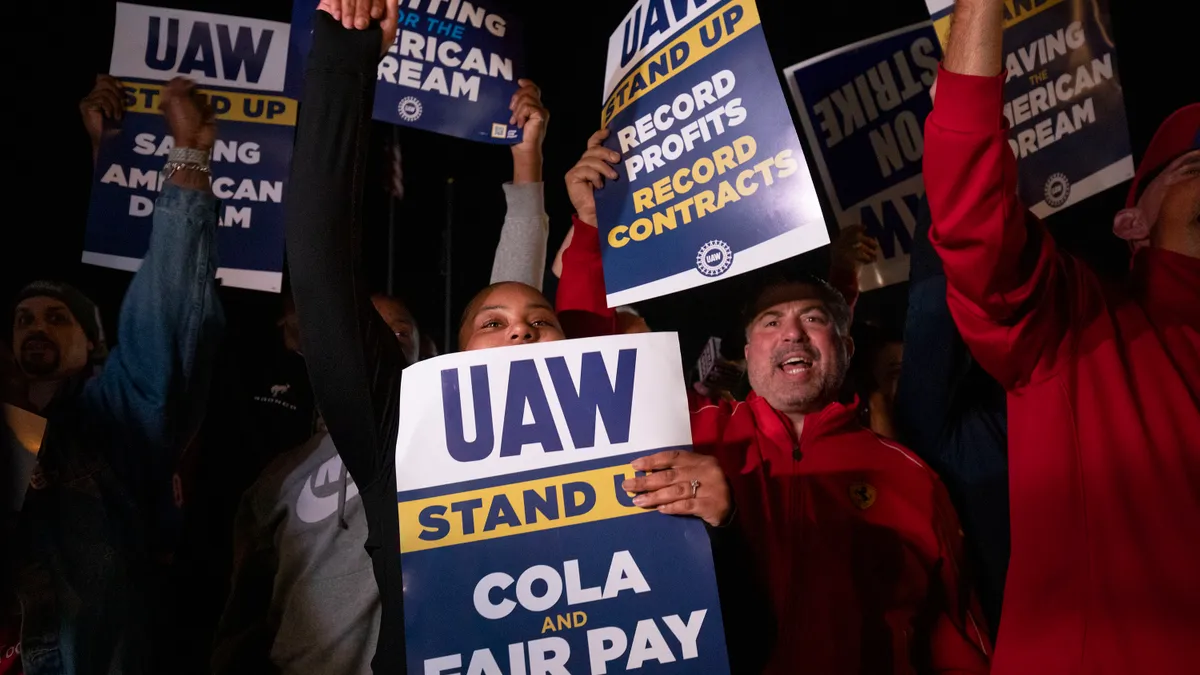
[{"x": 834, "y": 301}]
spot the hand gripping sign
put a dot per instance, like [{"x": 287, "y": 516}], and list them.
[
  {"x": 712, "y": 180},
  {"x": 520, "y": 551}
]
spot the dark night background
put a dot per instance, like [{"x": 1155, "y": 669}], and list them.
[{"x": 55, "y": 52}]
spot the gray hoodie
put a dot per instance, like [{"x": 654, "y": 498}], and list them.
[{"x": 303, "y": 597}]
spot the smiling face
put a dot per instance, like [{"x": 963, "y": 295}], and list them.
[
  {"x": 508, "y": 314},
  {"x": 796, "y": 355},
  {"x": 48, "y": 341}
]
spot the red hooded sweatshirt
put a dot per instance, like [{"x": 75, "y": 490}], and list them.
[
  {"x": 1103, "y": 412},
  {"x": 853, "y": 535}
]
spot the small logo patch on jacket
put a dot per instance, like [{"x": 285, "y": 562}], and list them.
[{"x": 862, "y": 495}]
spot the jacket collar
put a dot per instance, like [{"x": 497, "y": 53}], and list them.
[{"x": 832, "y": 419}]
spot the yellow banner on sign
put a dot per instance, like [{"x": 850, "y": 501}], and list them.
[
  {"x": 516, "y": 508},
  {"x": 1015, "y": 11},
  {"x": 229, "y": 105},
  {"x": 697, "y": 42}
]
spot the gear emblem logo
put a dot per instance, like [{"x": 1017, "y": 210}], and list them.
[
  {"x": 1058, "y": 190},
  {"x": 409, "y": 109},
  {"x": 714, "y": 258}
]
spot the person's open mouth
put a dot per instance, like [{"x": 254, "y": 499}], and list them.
[{"x": 796, "y": 365}]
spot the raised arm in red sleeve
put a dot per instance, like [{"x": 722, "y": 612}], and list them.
[
  {"x": 1011, "y": 292},
  {"x": 581, "y": 303}
]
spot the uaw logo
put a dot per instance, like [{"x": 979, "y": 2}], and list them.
[
  {"x": 409, "y": 109},
  {"x": 1058, "y": 190},
  {"x": 714, "y": 258}
]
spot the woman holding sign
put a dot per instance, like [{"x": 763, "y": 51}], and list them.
[{"x": 354, "y": 361}]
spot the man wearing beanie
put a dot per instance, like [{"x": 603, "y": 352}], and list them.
[
  {"x": 1103, "y": 381},
  {"x": 57, "y": 334},
  {"x": 83, "y": 564}
]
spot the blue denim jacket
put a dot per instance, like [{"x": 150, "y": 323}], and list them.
[{"x": 109, "y": 450}]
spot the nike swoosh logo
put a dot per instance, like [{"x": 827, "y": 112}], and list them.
[{"x": 313, "y": 509}]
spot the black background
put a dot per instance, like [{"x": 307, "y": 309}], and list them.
[{"x": 54, "y": 49}]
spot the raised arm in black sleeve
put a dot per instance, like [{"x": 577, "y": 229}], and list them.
[{"x": 354, "y": 361}]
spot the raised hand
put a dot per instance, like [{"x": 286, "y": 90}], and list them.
[
  {"x": 354, "y": 13},
  {"x": 104, "y": 101},
  {"x": 532, "y": 118},
  {"x": 588, "y": 175},
  {"x": 682, "y": 483},
  {"x": 189, "y": 116},
  {"x": 357, "y": 14}
]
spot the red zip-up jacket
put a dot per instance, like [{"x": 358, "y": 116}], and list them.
[
  {"x": 1103, "y": 412},
  {"x": 853, "y": 536}
]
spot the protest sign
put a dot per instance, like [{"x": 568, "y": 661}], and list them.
[
  {"x": 863, "y": 108},
  {"x": 1063, "y": 99},
  {"x": 452, "y": 69},
  {"x": 520, "y": 551},
  {"x": 713, "y": 181},
  {"x": 239, "y": 59}
]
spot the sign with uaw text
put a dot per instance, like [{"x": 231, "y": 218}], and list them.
[
  {"x": 521, "y": 553},
  {"x": 1062, "y": 99},
  {"x": 863, "y": 109},
  {"x": 712, "y": 179},
  {"x": 452, "y": 69},
  {"x": 238, "y": 63}
]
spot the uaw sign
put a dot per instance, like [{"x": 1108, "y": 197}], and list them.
[
  {"x": 863, "y": 109},
  {"x": 452, "y": 69},
  {"x": 241, "y": 64},
  {"x": 712, "y": 178},
  {"x": 1063, "y": 99},
  {"x": 520, "y": 551}
]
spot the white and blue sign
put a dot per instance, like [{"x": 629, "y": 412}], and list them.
[
  {"x": 520, "y": 551},
  {"x": 252, "y": 153},
  {"x": 1063, "y": 99},
  {"x": 863, "y": 108},
  {"x": 713, "y": 181},
  {"x": 452, "y": 70}
]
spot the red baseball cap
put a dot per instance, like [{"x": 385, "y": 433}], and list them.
[{"x": 1178, "y": 134}]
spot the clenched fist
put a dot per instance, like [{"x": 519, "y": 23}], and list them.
[{"x": 189, "y": 116}]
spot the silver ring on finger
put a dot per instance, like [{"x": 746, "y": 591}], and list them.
[{"x": 695, "y": 486}]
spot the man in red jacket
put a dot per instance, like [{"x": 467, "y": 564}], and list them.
[
  {"x": 1103, "y": 382},
  {"x": 853, "y": 535}
]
